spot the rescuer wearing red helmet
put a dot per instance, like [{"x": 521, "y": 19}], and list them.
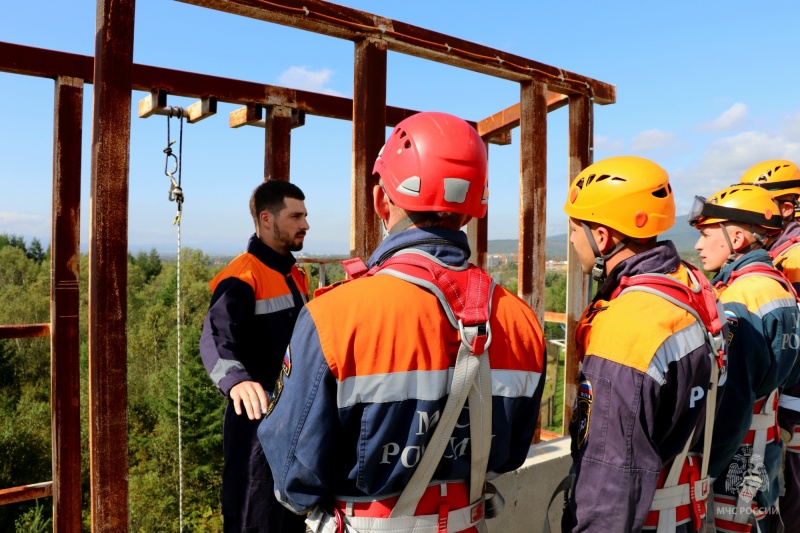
[
  {"x": 403, "y": 387},
  {"x": 649, "y": 343}
]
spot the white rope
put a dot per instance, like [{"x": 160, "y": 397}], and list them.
[{"x": 180, "y": 433}]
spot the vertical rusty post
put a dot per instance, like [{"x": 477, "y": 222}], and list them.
[
  {"x": 64, "y": 301},
  {"x": 278, "y": 141},
  {"x": 580, "y": 156},
  {"x": 532, "y": 188},
  {"x": 369, "y": 132},
  {"x": 478, "y": 235},
  {"x": 108, "y": 263}
]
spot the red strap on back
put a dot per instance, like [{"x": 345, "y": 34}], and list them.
[
  {"x": 775, "y": 252},
  {"x": 467, "y": 291},
  {"x": 704, "y": 301},
  {"x": 762, "y": 269}
]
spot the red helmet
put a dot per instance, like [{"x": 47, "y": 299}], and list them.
[{"x": 435, "y": 162}]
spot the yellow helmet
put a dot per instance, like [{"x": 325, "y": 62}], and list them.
[
  {"x": 778, "y": 176},
  {"x": 627, "y": 193},
  {"x": 745, "y": 204}
]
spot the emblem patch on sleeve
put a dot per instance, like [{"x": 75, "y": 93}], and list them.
[
  {"x": 583, "y": 411},
  {"x": 286, "y": 369}
]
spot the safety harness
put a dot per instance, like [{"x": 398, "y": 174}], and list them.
[
  {"x": 465, "y": 293},
  {"x": 682, "y": 491}
]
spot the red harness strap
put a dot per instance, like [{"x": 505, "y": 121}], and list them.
[
  {"x": 703, "y": 300},
  {"x": 776, "y": 252},
  {"x": 773, "y": 432},
  {"x": 761, "y": 269}
]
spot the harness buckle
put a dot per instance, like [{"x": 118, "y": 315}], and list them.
[{"x": 476, "y": 338}]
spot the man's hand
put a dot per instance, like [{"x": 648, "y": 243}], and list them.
[{"x": 250, "y": 394}]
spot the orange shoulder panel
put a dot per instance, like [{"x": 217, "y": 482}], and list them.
[
  {"x": 383, "y": 324},
  {"x": 633, "y": 327}
]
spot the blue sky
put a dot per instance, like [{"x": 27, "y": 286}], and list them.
[{"x": 706, "y": 89}]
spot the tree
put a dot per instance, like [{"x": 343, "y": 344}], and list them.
[{"x": 36, "y": 252}]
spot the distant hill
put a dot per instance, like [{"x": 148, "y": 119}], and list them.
[{"x": 682, "y": 234}]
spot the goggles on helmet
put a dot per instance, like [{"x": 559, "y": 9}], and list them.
[{"x": 702, "y": 210}]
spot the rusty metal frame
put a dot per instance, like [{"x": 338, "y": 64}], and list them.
[{"x": 543, "y": 88}]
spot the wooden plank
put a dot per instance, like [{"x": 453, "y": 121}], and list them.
[
  {"x": 278, "y": 143},
  {"x": 27, "y": 493},
  {"x": 578, "y": 283},
  {"x": 65, "y": 416},
  {"x": 24, "y": 331},
  {"x": 508, "y": 119},
  {"x": 369, "y": 132},
  {"x": 108, "y": 264},
  {"x": 347, "y": 23},
  {"x": 550, "y": 316}
]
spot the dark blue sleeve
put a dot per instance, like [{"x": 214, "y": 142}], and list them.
[
  {"x": 227, "y": 332},
  {"x": 302, "y": 424}
]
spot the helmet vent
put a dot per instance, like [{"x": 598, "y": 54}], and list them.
[
  {"x": 661, "y": 193},
  {"x": 407, "y": 144},
  {"x": 603, "y": 177}
]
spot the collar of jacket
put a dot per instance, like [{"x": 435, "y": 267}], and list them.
[
  {"x": 792, "y": 229},
  {"x": 661, "y": 259},
  {"x": 268, "y": 256},
  {"x": 449, "y": 246},
  {"x": 756, "y": 256}
]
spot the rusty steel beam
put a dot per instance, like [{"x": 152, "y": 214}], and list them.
[
  {"x": 478, "y": 234},
  {"x": 24, "y": 331},
  {"x": 532, "y": 190},
  {"x": 108, "y": 263},
  {"x": 508, "y": 119},
  {"x": 38, "y": 62},
  {"x": 26, "y": 493},
  {"x": 369, "y": 132},
  {"x": 351, "y": 24},
  {"x": 579, "y": 289},
  {"x": 278, "y": 143},
  {"x": 64, "y": 302}
]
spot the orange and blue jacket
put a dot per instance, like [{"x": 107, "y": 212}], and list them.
[
  {"x": 367, "y": 376},
  {"x": 255, "y": 302},
  {"x": 788, "y": 262},
  {"x": 763, "y": 319},
  {"x": 641, "y": 395}
]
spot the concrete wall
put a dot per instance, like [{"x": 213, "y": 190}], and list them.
[{"x": 527, "y": 490}]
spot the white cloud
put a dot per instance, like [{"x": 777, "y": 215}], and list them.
[
  {"x": 729, "y": 120},
  {"x": 18, "y": 218},
  {"x": 606, "y": 145},
  {"x": 650, "y": 140},
  {"x": 308, "y": 80},
  {"x": 726, "y": 159}
]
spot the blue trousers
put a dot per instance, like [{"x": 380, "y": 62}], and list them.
[{"x": 248, "y": 499}]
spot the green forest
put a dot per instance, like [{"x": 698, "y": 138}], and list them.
[{"x": 25, "y": 440}]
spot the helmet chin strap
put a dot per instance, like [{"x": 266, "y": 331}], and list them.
[
  {"x": 734, "y": 255},
  {"x": 599, "y": 269}
]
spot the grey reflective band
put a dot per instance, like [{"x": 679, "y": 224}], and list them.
[
  {"x": 273, "y": 305},
  {"x": 223, "y": 368}
]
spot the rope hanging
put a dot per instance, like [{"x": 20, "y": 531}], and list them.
[{"x": 176, "y": 195}]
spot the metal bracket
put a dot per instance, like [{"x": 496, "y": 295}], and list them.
[{"x": 156, "y": 104}]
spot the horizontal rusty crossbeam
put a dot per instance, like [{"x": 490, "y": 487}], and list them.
[
  {"x": 346, "y": 23},
  {"x": 26, "y": 493},
  {"x": 24, "y": 331},
  {"x": 39, "y": 62}
]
